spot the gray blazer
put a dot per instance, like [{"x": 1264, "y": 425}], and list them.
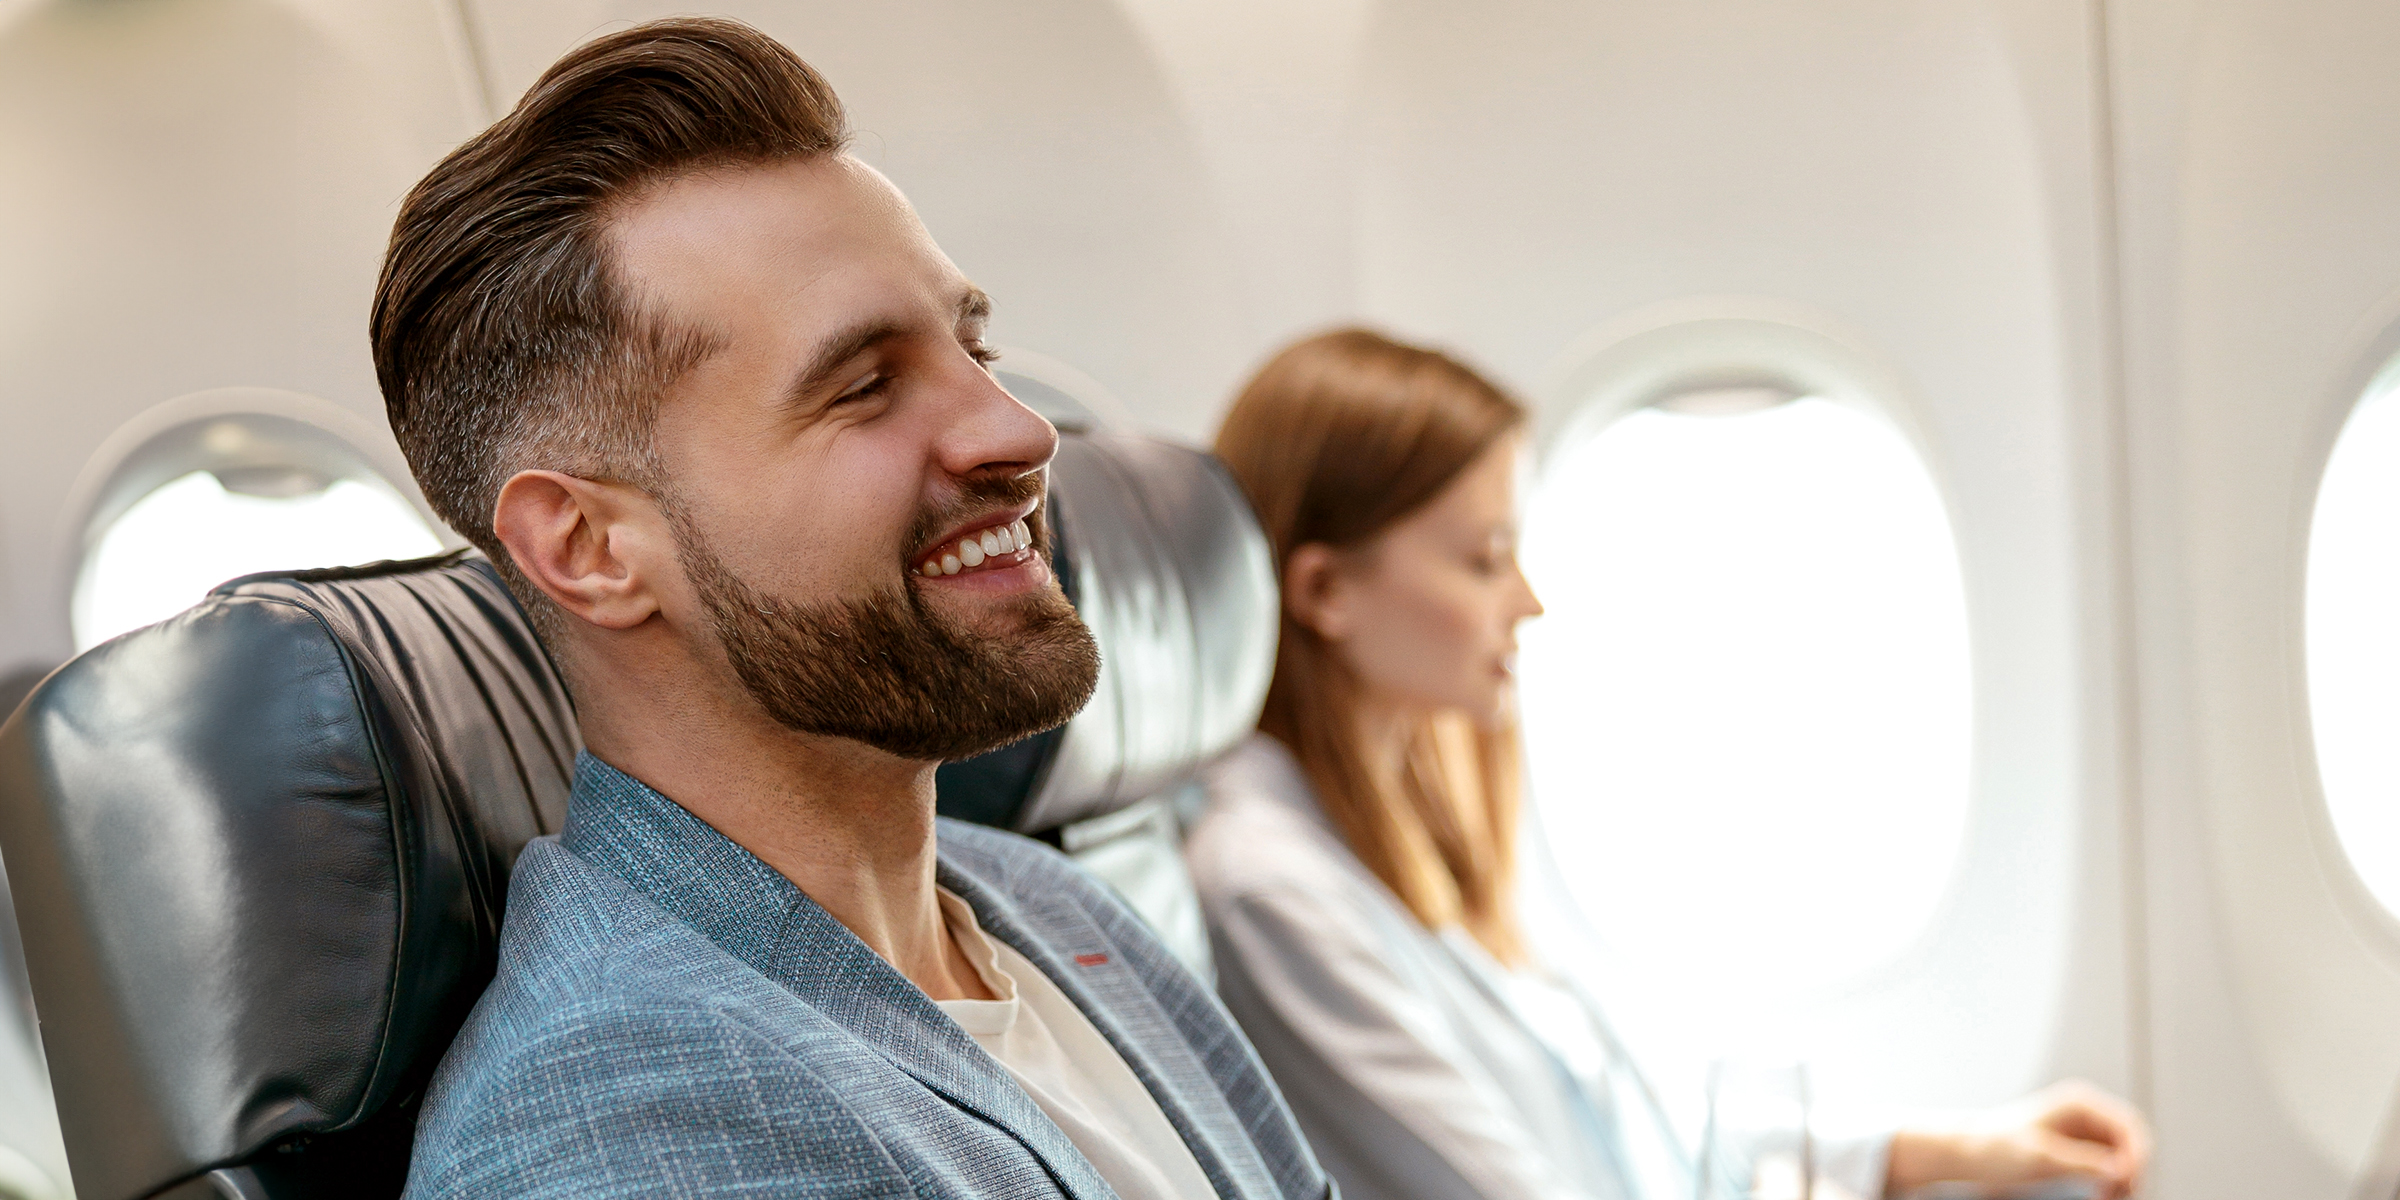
[{"x": 674, "y": 1018}]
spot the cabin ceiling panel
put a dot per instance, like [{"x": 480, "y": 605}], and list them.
[
  {"x": 1533, "y": 171},
  {"x": 1269, "y": 88}
]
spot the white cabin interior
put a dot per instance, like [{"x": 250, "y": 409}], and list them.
[{"x": 2091, "y": 288}]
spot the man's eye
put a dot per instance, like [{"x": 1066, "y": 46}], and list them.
[{"x": 864, "y": 388}]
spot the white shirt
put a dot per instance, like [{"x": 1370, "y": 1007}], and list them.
[
  {"x": 1419, "y": 1067},
  {"x": 1072, "y": 1072}
]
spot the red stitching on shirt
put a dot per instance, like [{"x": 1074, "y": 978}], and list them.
[{"x": 1090, "y": 960}]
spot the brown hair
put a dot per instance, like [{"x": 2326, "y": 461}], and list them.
[
  {"x": 502, "y": 340},
  {"x": 1337, "y": 438}
]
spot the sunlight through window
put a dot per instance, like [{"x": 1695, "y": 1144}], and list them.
[
  {"x": 191, "y": 534},
  {"x": 2353, "y": 635},
  {"x": 1747, "y": 712}
]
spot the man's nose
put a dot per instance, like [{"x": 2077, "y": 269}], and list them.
[{"x": 988, "y": 432}]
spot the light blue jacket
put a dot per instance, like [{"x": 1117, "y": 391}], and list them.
[{"x": 673, "y": 1018}]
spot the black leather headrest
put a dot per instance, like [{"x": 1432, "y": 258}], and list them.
[{"x": 259, "y": 853}]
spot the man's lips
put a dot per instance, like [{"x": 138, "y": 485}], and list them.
[{"x": 995, "y": 542}]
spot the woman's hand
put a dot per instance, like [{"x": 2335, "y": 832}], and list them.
[{"x": 2069, "y": 1128}]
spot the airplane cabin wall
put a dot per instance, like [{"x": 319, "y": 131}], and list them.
[
  {"x": 1543, "y": 177},
  {"x": 2124, "y": 264},
  {"x": 2260, "y": 152},
  {"x": 196, "y": 196}
]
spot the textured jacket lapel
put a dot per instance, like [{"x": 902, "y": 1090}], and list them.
[
  {"x": 704, "y": 879},
  {"x": 1073, "y": 951},
  {"x": 829, "y": 969}
]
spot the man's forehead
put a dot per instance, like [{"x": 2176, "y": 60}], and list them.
[{"x": 719, "y": 240}]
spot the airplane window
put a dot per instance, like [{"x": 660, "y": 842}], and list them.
[
  {"x": 2353, "y": 642},
  {"x": 1747, "y": 711},
  {"x": 238, "y": 496}
]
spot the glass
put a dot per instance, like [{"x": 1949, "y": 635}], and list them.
[
  {"x": 1757, "y": 1143},
  {"x": 1748, "y": 713}
]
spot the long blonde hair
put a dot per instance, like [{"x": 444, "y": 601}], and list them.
[{"x": 1337, "y": 438}]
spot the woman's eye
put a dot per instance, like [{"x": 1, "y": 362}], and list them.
[
  {"x": 982, "y": 354},
  {"x": 1492, "y": 560}
]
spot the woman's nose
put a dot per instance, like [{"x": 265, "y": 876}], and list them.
[{"x": 1528, "y": 605}]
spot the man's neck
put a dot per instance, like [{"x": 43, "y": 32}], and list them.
[{"x": 849, "y": 825}]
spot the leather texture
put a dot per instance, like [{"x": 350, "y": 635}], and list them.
[
  {"x": 259, "y": 854},
  {"x": 1175, "y": 579}
]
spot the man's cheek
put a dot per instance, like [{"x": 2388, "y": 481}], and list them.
[{"x": 862, "y": 546}]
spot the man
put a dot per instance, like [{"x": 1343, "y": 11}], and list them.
[{"x": 703, "y": 387}]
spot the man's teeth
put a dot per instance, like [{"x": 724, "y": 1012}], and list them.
[{"x": 970, "y": 551}]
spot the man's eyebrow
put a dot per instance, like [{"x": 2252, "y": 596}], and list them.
[
  {"x": 839, "y": 350},
  {"x": 973, "y": 305}
]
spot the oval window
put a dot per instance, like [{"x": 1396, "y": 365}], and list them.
[
  {"x": 1748, "y": 710},
  {"x": 2353, "y": 633},
  {"x": 227, "y": 497}
]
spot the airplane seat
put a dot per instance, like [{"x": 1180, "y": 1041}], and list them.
[
  {"x": 1164, "y": 560},
  {"x": 259, "y": 851}
]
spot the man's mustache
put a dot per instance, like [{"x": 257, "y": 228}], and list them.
[{"x": 976, "y": 496}]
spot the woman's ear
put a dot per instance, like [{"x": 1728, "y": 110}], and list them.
[
  {"x": 1315, "y": 591},
  {"x": 584, "y": 543}
]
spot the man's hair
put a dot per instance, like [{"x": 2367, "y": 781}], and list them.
[{"x": 503, "y": 340}]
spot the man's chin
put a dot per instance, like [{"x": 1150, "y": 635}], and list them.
[
  {"x": 930, "y": 673},
  {"x": 988, "y": 615},
  {"x": 1030, "y": 578}
]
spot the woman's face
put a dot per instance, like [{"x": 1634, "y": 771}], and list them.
[{"x": 1426, "y": 612}]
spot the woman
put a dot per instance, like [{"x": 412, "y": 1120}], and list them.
[{"x": 1356, "y": 860}]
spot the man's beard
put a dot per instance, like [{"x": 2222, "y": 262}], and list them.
[{"x": 889, "y": 671}]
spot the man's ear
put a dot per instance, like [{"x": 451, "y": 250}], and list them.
[
  {"x": 590, "y": 547},
  {"x": 1315, "y": 591}
]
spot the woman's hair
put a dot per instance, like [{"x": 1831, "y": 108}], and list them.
[{"x": 1336, "y": 439}]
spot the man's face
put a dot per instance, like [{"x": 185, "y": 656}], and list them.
[{"x": 849, "y": 488}]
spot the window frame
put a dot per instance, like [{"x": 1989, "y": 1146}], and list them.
[
  {"x": 225, "y": 429},
  {"x": 2374, "y": 374},
  {"x": 1758, "y": 371}
]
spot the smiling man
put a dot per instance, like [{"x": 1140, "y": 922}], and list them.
[{"x": 702, "y": 386}]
